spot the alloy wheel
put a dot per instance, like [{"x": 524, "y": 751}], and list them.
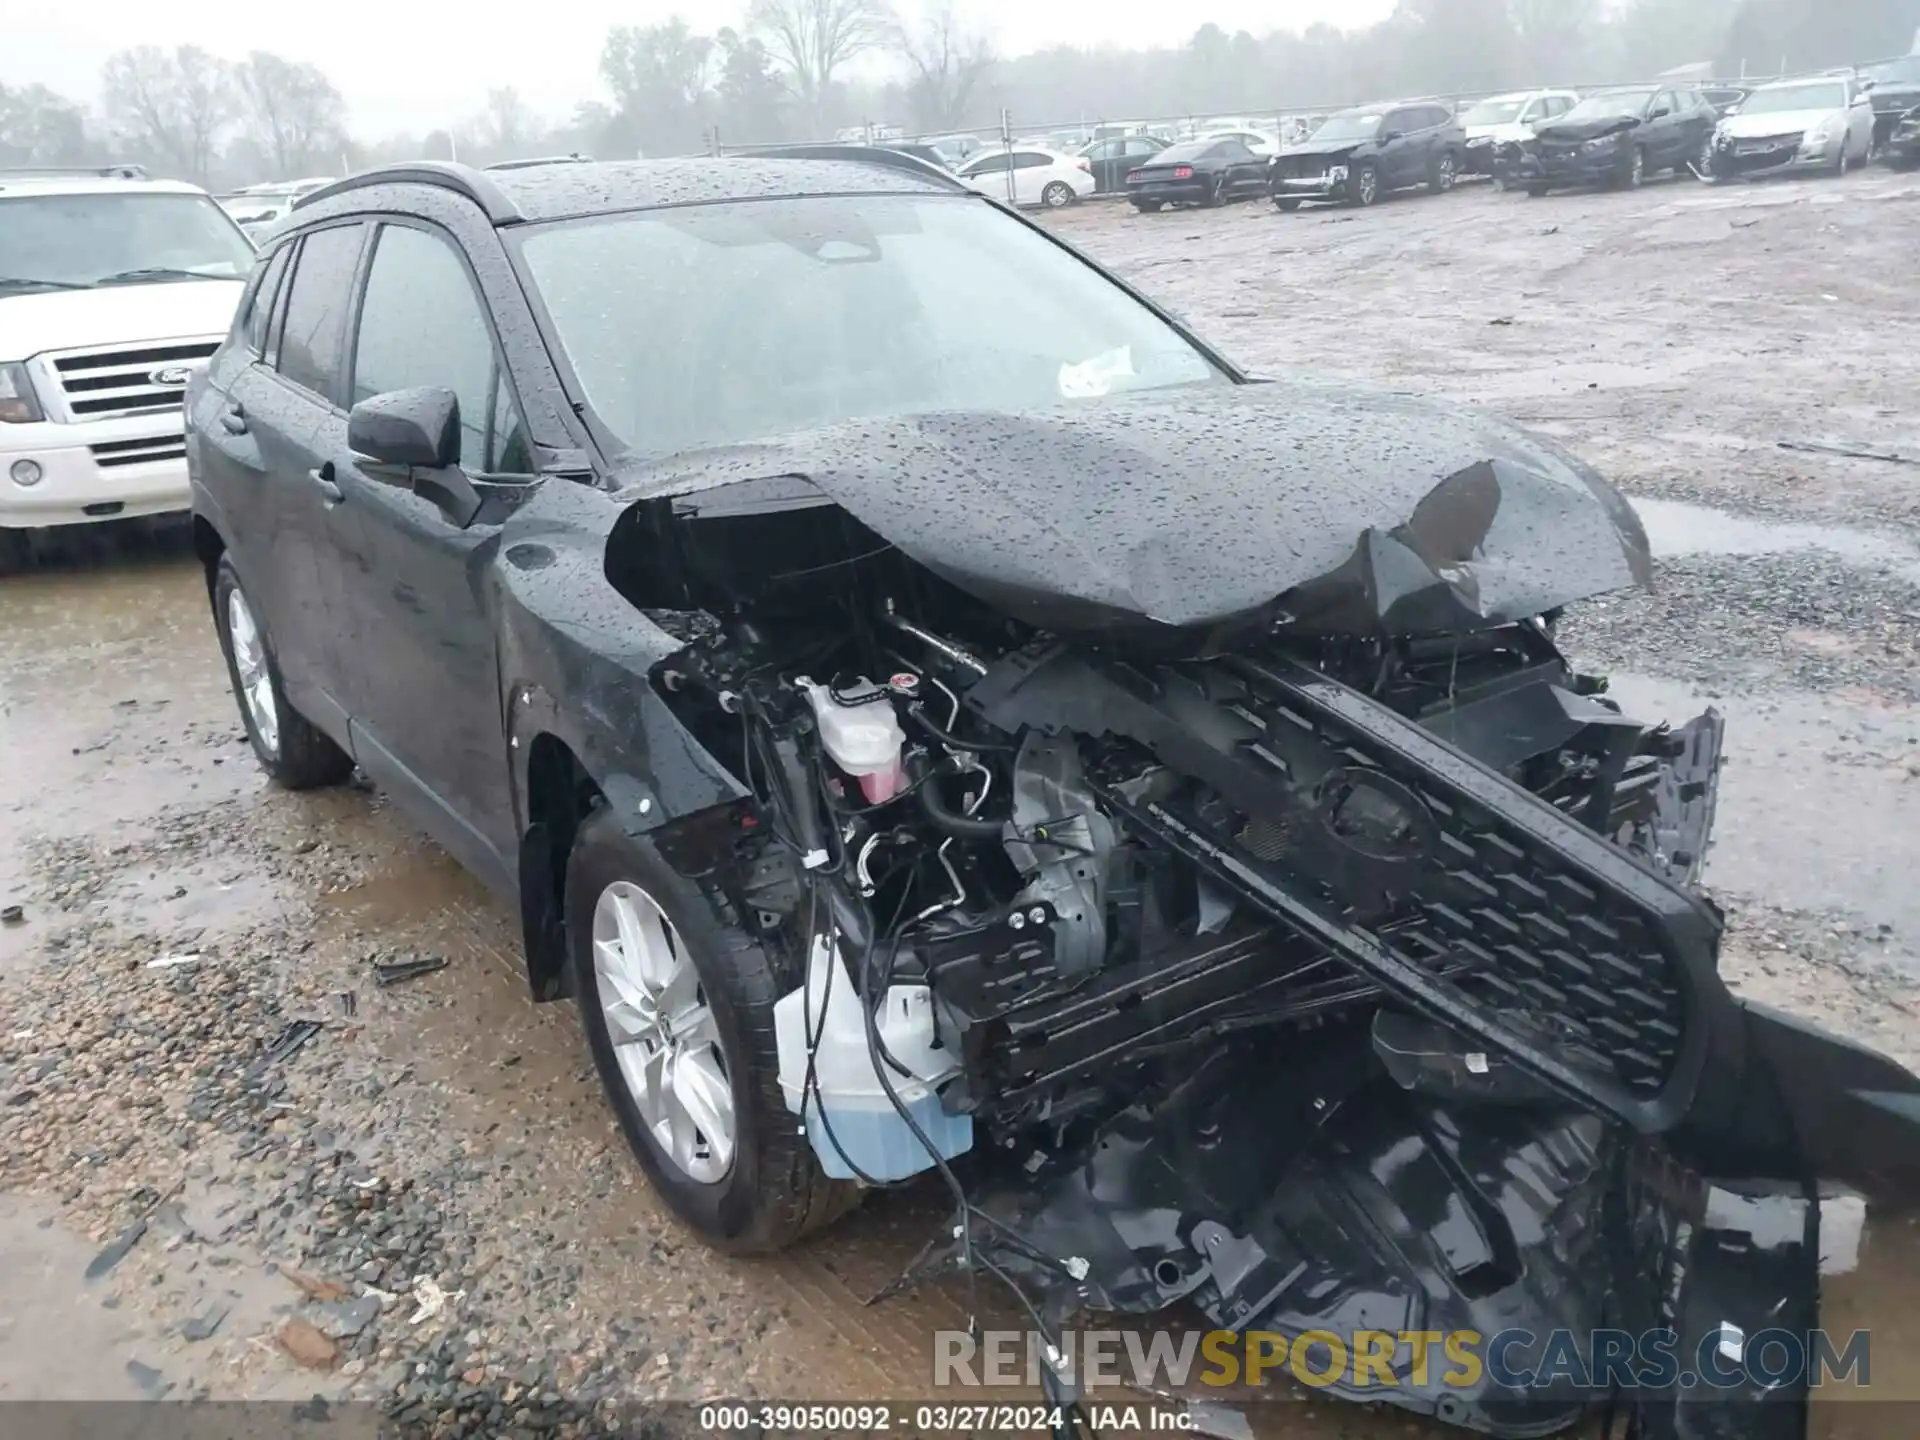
[
  {"x": 663, "y": 1033},
  {"x": 255, "y": 675}
]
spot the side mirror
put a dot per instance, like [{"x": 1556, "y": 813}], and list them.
[
  {"x": 1658, "y": 112},
  {"x": 407, "y": 427},
  {"x": 1387, "y": 137},
  {"x": 416, "y": 434}
]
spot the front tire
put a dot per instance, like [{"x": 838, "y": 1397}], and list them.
[
  {"x": 1635, "y": 171},
  {"x": 1057, "y": 196},
  {"x": 674, "y": 997},
  {"x": 294, "y": 753},
  {"x": 1286, "y": 204},
  {"x": 1365, "y": 184},
  {"x": 1444, "y": 174}
]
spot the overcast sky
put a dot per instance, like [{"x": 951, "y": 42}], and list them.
[{"x": 411, "y": 65}]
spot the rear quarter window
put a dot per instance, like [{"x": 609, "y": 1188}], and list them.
[{"x": 318, "y": 299}]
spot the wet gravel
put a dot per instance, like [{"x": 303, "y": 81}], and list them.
[{"x": 1805, "y": 621}]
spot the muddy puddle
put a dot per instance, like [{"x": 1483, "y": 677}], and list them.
[{"x": 1676, "y": 528}]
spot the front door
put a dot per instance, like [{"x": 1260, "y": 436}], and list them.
[{"x": 427, "y": 695}]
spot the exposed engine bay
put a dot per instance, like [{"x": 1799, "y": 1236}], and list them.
[{"x": 1320, "y": 978}]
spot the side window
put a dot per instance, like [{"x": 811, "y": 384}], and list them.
[
  {"x": 421, "y": 324},
  {"x": 992, "y": 165},
  {"x": 315, "y": 321},
  {"x": 259, "y": 309},
  {"x": 1138, "y": 148},
  {"x": 1662, "y": 101},
  {"x": 1400, "y": 121},
  {"x": 1030, "y": 160},
  {"x": 1434, "y": 116}
]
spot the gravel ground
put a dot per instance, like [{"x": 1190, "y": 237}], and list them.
[{"x": 195, "y": 1056}]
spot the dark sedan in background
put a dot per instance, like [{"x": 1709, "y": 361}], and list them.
[
  {"x": 1615, "y": 137},
  {"x": 1198, "y": 172},
  {"x": 1903, "y": 145},
  {"x": 1112, "y": 158},
  {"x": 1895, "y": 92},
  {"x": 1358, "y": 156}
]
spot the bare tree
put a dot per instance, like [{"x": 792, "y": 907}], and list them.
[
  {"x": 171, "y": 107},
  {"x": 291, "y": 113},
  {"x": 947, "y": 60},
  {"x": 38, "y": 127},
  {"x": 505, "y": 126},
  {"x": 660, "y": 77},
  {"x": 810, "y": 40}
]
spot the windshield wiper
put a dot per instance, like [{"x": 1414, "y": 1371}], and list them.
[
  {"x": 153, "y": 272},
  {"x": 28, "y": 281}
]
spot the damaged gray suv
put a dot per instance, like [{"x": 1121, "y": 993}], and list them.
[{"x": 933, "y": 714}]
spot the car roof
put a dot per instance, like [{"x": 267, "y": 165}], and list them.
[
  {"x": 17, "y": 184},
  {"x": 565, "y": 191},
  {"x": 1799, "y": 80}
]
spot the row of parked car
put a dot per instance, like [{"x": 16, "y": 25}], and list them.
[{"x": 1534, "y": 141}]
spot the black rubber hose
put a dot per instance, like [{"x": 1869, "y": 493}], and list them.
[
  {"x": 918, "y": 715},
  {"x": 943, "y": 817}
]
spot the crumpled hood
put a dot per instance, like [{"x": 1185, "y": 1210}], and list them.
[
  {"x": 1780, "y": 122},
  {"x": 1345, "y": 511},
  {"x": 117, "y": 315},
  {"x": 1586, "y": 129}
]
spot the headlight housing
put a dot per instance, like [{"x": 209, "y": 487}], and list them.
[
  {"x": 1605, "y": 142},
  {"x": 1336, "y": 172},
  {"x": 1818, "y": 135},
  {"x": 18, "y": 404}
]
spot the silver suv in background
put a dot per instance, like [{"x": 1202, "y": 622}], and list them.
[{"x": 114, "y": 290}]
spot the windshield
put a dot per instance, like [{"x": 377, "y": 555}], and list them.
[
  {"x": 1904, "y": 71},
  {"x": 710, "y": 325},
  {"x": 1493, "y": 112},
  {"x": 1608, "y": 107},
  {"x": 1795, "y": 97},
  {"x": 1188, "y": 150},
  {"x": 79, "y": 241},
  {"x": 1353, "y": 125}
]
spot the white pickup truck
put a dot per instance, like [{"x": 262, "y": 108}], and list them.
[{"x": 114, "y": 290}]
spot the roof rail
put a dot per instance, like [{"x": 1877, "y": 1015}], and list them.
[
  {"x": 859, "y": 154},
  {"x": 73, "y": 172},
  {"x": 441, "y": 174},
  {"x": 576, "y": 158}
]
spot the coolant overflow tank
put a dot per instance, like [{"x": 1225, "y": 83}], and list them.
[{"x": 863, "y": 738}]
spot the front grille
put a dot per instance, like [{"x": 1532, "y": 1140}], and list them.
[
  {"x": 1300, "y": 167},
  {"x": 106, "y": 384},
  {"x": 110, "y": 454},
  {"x": 1767, "y": 144}
]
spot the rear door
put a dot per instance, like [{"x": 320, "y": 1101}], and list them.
[
  {"x": 287, "y": 407},
  {"x": 427, "y": 706},
  {"x": 1664, "y": 134},
  {"x": 1031, "y": 171},
  {"x": 1400, "y": 156}
]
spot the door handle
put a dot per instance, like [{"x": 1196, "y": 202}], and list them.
[
  {"x": 323, "y": 477},
  {"x": 234, "y": 418}
]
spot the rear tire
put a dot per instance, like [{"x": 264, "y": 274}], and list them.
[
  {"x": 294, "y": 753},
  {"x": 773, "y": 1191},
  {"x": 1057, "y": 196},
  {"x": 1534, "y": 192},
  {"x": 1286, "y": 204},
  {"x": 1444, "y": 174},
  {"x": 1217, "y": 196},
  {"x": 1147, "y": 207}
]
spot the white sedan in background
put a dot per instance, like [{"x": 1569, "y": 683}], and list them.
[
  {"x": 1818, "y": 124},
  {"x": 1029, "y": 175}
]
